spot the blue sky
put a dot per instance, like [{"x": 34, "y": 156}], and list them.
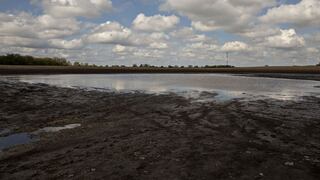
[{"x": 162, "y": 32}]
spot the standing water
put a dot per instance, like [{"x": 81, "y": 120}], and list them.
[{"x": 223, "y": 84}]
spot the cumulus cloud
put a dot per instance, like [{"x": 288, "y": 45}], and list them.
[
  {"x": 260, "y": 32},
  {"x": 306, "y": 12},
  {"x": 201, "y": 46},
  {"x": 119, "y": 49},
  {"x": 287, "y": 39},
  {"x": 209, "y": 15},
  {"x": 60, "y": 30},
  {"x": 75, "y": 8},
  {"x": 115, "y": 33},
  {"x": 156, "y": 40},
  {"x": 44, "y": 31},
  {"x": 159, "y": 45},
  {"x": 189, "y": 35},
  {"x": 44, "y": 26},
  {"x": 235, "y": 46},
  {"x": 23, "y": 42},
  {"x": 64, "y": 44},
  {"x": 155, "y": 23},
  {"x": 110, "y": 33}
]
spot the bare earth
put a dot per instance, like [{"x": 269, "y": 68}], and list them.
[
  {"x": 27, "y": 69},
  {"x": 145, "y": 136}
]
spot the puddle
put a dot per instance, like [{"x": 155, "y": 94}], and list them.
[
  {"x": 25, "y": 138},
  {"x": 227, "y": 85},
  {"x": 4, "y": 131},
  {"x": 15, "y": 139},
  {"x": 56, "y": 129}
]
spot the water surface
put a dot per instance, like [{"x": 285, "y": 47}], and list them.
[
  {"x": 225, "y": 85},
  {"x": 14, "y": 139}
]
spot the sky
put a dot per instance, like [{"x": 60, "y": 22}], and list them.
[{"x": 164, "y": 32}]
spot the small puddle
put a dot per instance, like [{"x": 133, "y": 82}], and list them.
[
  {"x": 15, "y": 139},
  {"x": 56, "y": 129},
  {"x": 25, "y": 138},
  {"x": 4, "y": 131}
]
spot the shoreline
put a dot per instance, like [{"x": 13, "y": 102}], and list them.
[
  {"x": 150, "y": 136},
  {"x": 12, "y": 69},
  {"x": 299, "y": 73}
]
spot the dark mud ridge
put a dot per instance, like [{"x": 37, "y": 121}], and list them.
[
  {"x": 313, "y": 77},
  {"x": 145, "y": 136}
]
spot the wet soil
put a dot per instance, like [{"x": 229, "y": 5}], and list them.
[
  {"x": 301, "y": 76},
  {"x": 148, "y": 136}
]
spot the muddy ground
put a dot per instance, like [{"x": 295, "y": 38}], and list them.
[
  {"x": 145, "y": 136},
  {"x": 301, "y": 76}
]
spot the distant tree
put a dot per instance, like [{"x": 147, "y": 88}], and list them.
[
  {"x": 318, "y": 64},
  {"x": 17, "y": 59},
  {"x": 134, "y": 65},
  {"x": 76, "y": 63}
]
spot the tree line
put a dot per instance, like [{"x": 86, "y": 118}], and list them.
[{"x": 17, "y": 59}]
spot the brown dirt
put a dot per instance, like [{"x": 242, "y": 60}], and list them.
[
  {"x": 146, "y": 136},
  {"x": 10, "y": 69}
]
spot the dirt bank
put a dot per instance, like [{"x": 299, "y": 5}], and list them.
[
  {"x": 145, "y": 136},
  {"x": 313, "y": 77},
  {"x": 10, "y": 69}
]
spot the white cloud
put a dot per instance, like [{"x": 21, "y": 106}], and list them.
[
  {"x": 209, "y": 15},
  {"x": 64, "y": 44},
  {"x": 235, "y": 46},
  {"x": 148, "y": 53},
  {"x": 260, "y": 31},
  {"x": 304, "y": 13},
  {"x": 119, "y": 48},
  {"x": 23, "y": 42},
  {"x": 156, "y": 40},
  {"x": 203, "y": 46},
  {"x": 155, "y": 23},
  {"x": 44, "y": 31},
  {"x": 110, "y": 33},
  {"x": 44, "y": 26},
  {"x": 160, "y": 39},
  {"x": 188, "y": 34},
  {"x": 75, "y": 8},
  {"x": 159, "y": 45},
  {"x": 313, "y": 50},
  {"x": 287, "y": 39},
  {"x": 202, "y": 26}
]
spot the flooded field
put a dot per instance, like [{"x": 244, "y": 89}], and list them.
[
  {"x": 227, "y": 86},
  {"x": 158, "y": 127}
]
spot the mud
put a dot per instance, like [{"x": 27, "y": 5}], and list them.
[
  {"x": 302, "y": 76},
  {"x": 147, "y": 136}
]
